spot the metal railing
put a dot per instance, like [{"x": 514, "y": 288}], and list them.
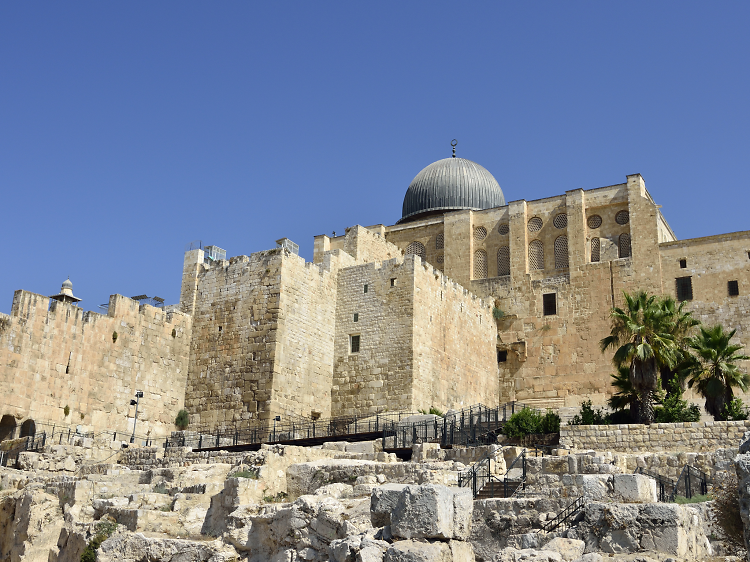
[
  {"x": 562, "y": 518},
  {"x": 691, "y": 481},
  {"x": 480, "y": 477},
  {"x": 31, "y": 443}
]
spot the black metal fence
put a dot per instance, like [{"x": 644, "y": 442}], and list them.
[
  {"x": 31, "y": 443},
  {"x": 691, "y": 482},
  {"x": 563, "y": 519},
  {"x": 482, "y": 480}
]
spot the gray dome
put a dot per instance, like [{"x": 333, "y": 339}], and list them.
[
  {"x": 451, "y": 184},
  {"x": 67, "y": 284}
]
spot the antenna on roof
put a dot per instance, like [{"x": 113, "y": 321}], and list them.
[{"x": 454, "y": 142}]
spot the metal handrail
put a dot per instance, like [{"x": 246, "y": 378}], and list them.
[{"x": 562, "y": 517}]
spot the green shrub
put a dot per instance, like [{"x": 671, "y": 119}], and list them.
[
  {"x": 104, "y": 530},
  {"x": 66, "y": 410},
  {"x": 676, "y": 410},
  {"x": 589, "y": 416},
  {"x": 114, "y": 337},
  {"x": 735, "y": 411},
  {"x": 550, "y": 423},
  {"x": 497, "y": 313},
  {"x": 161, "y": 489},
  {"x": 529, "y": 421},
  {"x": 182, "y": 420},
  {"x": 433, "y": 410}
]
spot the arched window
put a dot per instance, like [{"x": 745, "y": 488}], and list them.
[
  {"x": 561, "y": 252},
  {"x": 439, "y": 241},
  {"x": 503, "y": 261},
  {"x": 595, "y": 250},
  {"x": 536, "y": 255},
  {"x": 418, "y": 249},
  {"x": 624, "y": 245},
  {"x": 480, "y": 264}
]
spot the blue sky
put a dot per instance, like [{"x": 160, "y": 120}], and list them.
[{"x": 129, "y": 129}]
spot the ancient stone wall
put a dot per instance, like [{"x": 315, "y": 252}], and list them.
[
  {"x": 378, "y": 377},
  {"x": 54, "y": 355},
  {"x": 455, "y": 360},
  {"x": 696, "y": 437},
  {"x": 262, "y": 343}
]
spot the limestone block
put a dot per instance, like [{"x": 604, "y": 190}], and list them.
[
  {"x": 366, "y": 447},
  {"x": 335, "y": 491},
  {"x": 414, "y": 551},
  {"x": 635, "y": 488},
  {"x": 370, "y": 554},
  {"x": 382, "y": 502},
  {"x": 595, "y": 486},
  {"x": 432, "y": 511},
  {"x": 569, "y": 549},
  {"x": 742, "y": 466},
  {"x": 533, "y": 555},
  {"x": 461, "y": 551}
]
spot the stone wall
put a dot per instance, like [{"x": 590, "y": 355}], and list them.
[
  {"x": 262, "y": 336},
  {"x": 54, "y": 355},
  {"x": 696, "y": 437},
  {"x": 424, "y": 341}
]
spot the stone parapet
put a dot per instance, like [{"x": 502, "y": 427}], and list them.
[{"x": 659, "y": 437}]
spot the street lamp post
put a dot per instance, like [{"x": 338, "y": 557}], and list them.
[{"x": 138, "y": 396}]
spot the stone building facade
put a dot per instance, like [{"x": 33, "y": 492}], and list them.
[{"x": 465, "y": 300}]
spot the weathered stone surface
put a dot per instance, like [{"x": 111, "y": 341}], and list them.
[
  {"x": 417, "y": 551},
  {"x": 383, "y": 501},
  {"x": 135, "y": 548},
  {"x": 742, "y": 468},
  {"x": 432, "y": 512},
  {"x": 569, "y": 549},
  {"x": 635, "y": 488}
]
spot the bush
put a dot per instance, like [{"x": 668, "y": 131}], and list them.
[
  {"x": 104, "y": 530},
  {"x": 589, "y": 416},
  {"x": 529, "y": 421},
  {"x": 182, "y": 421},
  {"x": 725, "y": 511},
  {"x": 734, "y": 411},
  {"x": 433, "y": 410},
  {"x": 677, "y": 410}
]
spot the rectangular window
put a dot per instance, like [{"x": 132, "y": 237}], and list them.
[
  {"x": 684, "y": 287},
  {"x": 356, "y": 316},
  {"x": 502, "y": 356},
  {"x": 733, "y": 287},
  {"x": 549, "y": 301},
  {"x": 365, "y": 288},
  {"x": 683, "y": 264},
  {"x": 354, "y": 344},
  {"x": 393, "y": 282}
]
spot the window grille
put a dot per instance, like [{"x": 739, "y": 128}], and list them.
[
  {"x": 595, "y": 221},
  {"x": 440, "y": 258},
  {"x": 365, "y": 288},
  {"x": 683, "y": 264},
  {"x": 503, "y": 229},
  {"x": 418, "y": 249},
  {"x": 535, "y": 224},
  {"x": 480, "y": 264},
  {"x": 549, "y": 304},
  {"x": 536, "y": 254},
  {"x": 624, "y": 245},
  {"x": 354, "y": 344},
  {"x": 623, "y": 217},
  {"x": 733, "y": 288},
  {"x": 561, "y": 252},
  {"x": 560, "y": 221},
  {"x": 440, "y": 241},
  {"x": 480, "y": 233},
  {"x": 684, "y": 286},
  {"x": 595, "y": 250},
  {"x": 503, "y": 261}
]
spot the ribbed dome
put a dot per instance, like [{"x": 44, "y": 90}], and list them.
[
  {"x": 448, "y": 185},
  {"x": 67, "y": 284}
]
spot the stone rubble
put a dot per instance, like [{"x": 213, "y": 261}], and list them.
[{"x": 345, "y": 503}]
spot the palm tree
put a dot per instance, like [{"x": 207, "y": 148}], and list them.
[
  {"x": 642, "y": 334},
  {"x": 682, "y": 324},
  {"x": 715, "y": 370},
  {"x": 625, "y": 397}
]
